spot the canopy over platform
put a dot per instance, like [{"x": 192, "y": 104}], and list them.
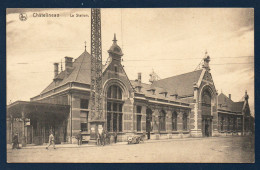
[
  {"x": 34, "y": 121},
  {"x": 25, "y": 109}
]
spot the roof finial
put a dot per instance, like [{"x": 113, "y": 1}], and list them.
[
  {"x": 85, "y": 45},
  {"x": 115, "y": 40}
]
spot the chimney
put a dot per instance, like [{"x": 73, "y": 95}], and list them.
[
  {"x": 56, "y": 69},
  {"x": 140, "y": 78},
  {"x": 229, "y": 96},
  {"x": 68, "y": 63}
]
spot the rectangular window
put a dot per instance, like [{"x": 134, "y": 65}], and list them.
[
  {"x": 109, "y": 106},
  {"x": 84, "y": 103},
  {"x": 138, "y": 109},
  {"x": 139, "y": 123},
  {"x": 109, "y": 122},
  {"x": 114, "y": 106},
  {"x": 120, "y": 108},
  {"x": 120, "y": 122},
  {"x": 84, "y": 121},
  {"x": 115, "y": 122}
]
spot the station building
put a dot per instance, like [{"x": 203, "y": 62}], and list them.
[{"x": 186, "y": 105}]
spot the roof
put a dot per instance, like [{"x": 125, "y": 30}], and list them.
[
  {"x": 225, "y": 103},
  {"x": 181, "y": 84},
  {"x": 79, "y": 73},
  {"x": 237, "y": 106},
  {"x": 158, "y": 93},
  {"x": 37, "y": 108}
]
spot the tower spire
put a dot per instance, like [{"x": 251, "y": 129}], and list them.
[
  {"x": 85, "y": 45},
  {"x": 114, "y": 40}
]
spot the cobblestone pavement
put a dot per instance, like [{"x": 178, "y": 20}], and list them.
[{"x": 214, "y": 149}]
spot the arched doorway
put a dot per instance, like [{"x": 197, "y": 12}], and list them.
[
  {"x": 206, "y": 113},
  {"x": 148, "y": 122},
  {"x": 114, "y": 109}
]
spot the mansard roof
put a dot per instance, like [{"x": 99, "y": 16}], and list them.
[{"x": 181, "y": 84}]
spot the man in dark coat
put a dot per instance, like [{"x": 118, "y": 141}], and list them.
[
  {"x": 15, "y": 141},
  {"x": 79, "y": 138},
  {"x": 115, "y": 136}
]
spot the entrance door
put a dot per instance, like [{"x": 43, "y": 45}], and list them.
[
  {"x": 206, "y": 127},
  {"x": 148, "y": 122}
]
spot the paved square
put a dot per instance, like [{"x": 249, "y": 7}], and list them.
[{"x": 215, "y": 149}]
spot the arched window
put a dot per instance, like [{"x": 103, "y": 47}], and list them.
[
  {"x": 206, "y": 98},
  {"x": 114, "y": 109},
  {"x": 174, "y": 121},
  {"x": 185, "y": 121},
  {"x": 162, "y": 118}
]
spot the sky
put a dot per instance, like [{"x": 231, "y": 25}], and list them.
[{"x": 170, "y": 41}]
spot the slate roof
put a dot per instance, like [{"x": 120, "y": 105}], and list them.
[
  {"x": 79, "y": 73},
  {"x": 146, "y": 90},
  {"x": 225, "y": 103},
  {"x": 237, "y": 106},
  {"x": 181, "y": 84}
]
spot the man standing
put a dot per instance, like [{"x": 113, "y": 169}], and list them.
[
  {"x": 15, "y": 141},
  {"x": 51, "y": 141},
  {"x": 115, "y": 136},
  {"x": 79, "y": 138}
]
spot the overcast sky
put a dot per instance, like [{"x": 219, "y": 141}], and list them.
[{"x": 170, "y": 41}]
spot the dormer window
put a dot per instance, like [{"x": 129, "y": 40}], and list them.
[
  {"x": 139, "y": 88},
  {"x": 153, "y": 91},
  {"x": 164, "y": 93}
]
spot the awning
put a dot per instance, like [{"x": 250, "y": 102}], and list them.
[{"x": 25, "y": 109}]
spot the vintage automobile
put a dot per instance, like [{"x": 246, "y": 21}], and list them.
[{"x": 135, "y": 139}]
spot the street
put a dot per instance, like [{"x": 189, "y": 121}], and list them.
[{"x": 232, "y": 149}]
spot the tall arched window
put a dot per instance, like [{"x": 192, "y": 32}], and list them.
[
  {"x": 114, "y": 109},
  {"x": 206, "y": 103},
  {"x": 185, "y": 121},
  {"x": 174, "y": 121},
  {"x": 162, "y": 119}
]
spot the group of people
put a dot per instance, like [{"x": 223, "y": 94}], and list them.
[{"x": 103, "y": 137}]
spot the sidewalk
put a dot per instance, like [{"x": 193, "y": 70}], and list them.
[{"x": 31, "y": 146}]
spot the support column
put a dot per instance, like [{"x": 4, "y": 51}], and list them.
[
  {"x": 180, "y": 123},
  {"x": 23, "y": 130}
]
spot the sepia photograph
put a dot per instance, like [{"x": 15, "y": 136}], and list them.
[{"x": 130, "y": 85}]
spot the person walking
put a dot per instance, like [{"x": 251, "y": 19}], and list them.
[
  {"x": 103, "y": 138},
  {"x": 51, "y": 141},
  {"x": 79, "y": 138},
  {"x": 99, "y": 139},
  {"x": 15, "y": 141}
]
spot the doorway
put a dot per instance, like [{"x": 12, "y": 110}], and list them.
[{"x": 206, "y": 126}]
